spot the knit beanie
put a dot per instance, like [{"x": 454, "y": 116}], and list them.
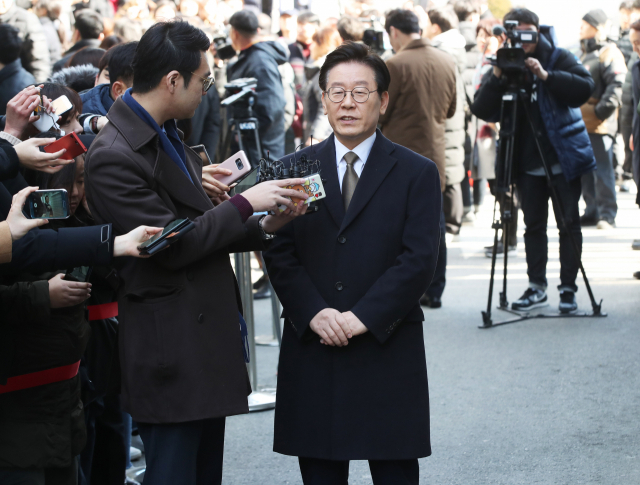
[{"x": 597, "y": 18}]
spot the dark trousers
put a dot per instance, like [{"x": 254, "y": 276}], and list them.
[
  {"x": 315, "y": 471},
  {"x": 185, "y": 453},
  {"x": 104, "y": 458},
  {"x": 534, "y": 195},
  {"x": 436, "y": 288},
  {"x": 599, "y": 187},
  {"x": 40, "y": 476},
  {"x": 453, "y": 207}
]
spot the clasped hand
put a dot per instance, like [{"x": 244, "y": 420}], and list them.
[{"x": 336, "y": 328}]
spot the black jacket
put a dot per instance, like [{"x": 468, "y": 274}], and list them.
[
  {"x": 261, "y": 61},
  {"x": 13, "y": 79},
  {"x": 568, "y": 82},
  {"x": 636, "y": 125},
  {"x": 206, "y": 123},
  {"x": 72, "y": 50},
  {"x": 350, "y": 261}
]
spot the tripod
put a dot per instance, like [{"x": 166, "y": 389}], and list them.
[
  {"x": 504, "y": 217},
  {"x": 245, "y": 126}
]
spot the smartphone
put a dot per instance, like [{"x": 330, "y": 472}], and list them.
[
  {"x": 202, "y": 151},
  {"x": 238, "y": 164},
  {"x": 47, "y": 120},
  {"x": 165, "y": 233},
  {"x": 80, "y": 274},
  {"x": 71, "y": 142},
  {"x": 246, "y": 182},
  {"x": 47, "y": 204}
]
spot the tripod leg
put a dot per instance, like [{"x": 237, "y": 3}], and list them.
[
  {"x": 558, "y": 203},
  {"x": 486, "y": 316}
]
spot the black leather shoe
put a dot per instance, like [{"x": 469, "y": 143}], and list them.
[
  {"x": 588, "y": 221},
  {"x": 636, "y": 275},
  {"x": 261, "y": 281},
  {"x": 431, "y": 301},
  {"x": 262, "y": 293}
]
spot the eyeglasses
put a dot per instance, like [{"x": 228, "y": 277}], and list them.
[
  {"x": 207, "y": 82},
  {"x": 359, "y": 95}
]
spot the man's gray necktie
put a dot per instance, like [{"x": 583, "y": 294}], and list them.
[{"x": 350, "y": 179}]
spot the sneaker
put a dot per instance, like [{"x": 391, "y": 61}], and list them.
[
  {"x": 588, "y": 221},
  {"x": 606, "y": 224},
  {"x": 567, "y": 302},
  {"x": 532, "y": 298},
  {"x": 488, "y": 250},
  {"x": 635, "y": 245},
  {"x": 469, "y": 217},
  {"x": 636, "y": 275}
]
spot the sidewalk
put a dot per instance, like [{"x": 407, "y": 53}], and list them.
[{"x": 539, "y": 402}]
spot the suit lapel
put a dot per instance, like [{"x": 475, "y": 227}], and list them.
[
  {"x": 167, "y": 173},
  {"x": 378, "y": 165},
  {"x": 329, "y": 171}
]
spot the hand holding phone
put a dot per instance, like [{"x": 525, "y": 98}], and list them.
[
  {"x": 70, "y": 143},
  {"x": 47, "y": 204},
  {"x": 47, "y": 120},
  {"x": 169, "y": 235},
  {"x": 239, "y": 166}
]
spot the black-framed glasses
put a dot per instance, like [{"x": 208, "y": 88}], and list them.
[
  {"x": 207, "y": 82},
  {"x": 359, "y": 95}
]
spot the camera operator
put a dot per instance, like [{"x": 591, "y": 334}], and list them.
[
  {"x": 555, "y": 86},
  {"x": 260, "y": 60},
  {"x": 183, "y": 369}
]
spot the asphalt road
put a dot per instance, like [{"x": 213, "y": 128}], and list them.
[{"x": 553, "y": 401}]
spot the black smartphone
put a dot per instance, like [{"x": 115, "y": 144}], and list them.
[
  {"x": 47, "y": 204},
  {"x": 171, "y": 230},
  {"x": 202, "y": 151},
  {"x": 80, "y": 274},
  {"x": 246, "y": 182}
]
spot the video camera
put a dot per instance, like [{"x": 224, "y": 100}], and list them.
[
  {"x": 224, "y": 49},
  {"x": 374, "y": 35},
  {"x": 511, "y": 57}
]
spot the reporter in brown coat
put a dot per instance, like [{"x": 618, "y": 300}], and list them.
[{"x": 181, "y": 354}]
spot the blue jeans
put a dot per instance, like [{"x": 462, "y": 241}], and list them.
[{"x": 599, "y": 187}]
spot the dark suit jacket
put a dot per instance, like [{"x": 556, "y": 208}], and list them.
[
  {"x": 370, "y": 399},
  {"x": 180, "y": 344}
]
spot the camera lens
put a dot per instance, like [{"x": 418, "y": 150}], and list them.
[{"x": 239, "y": 164}]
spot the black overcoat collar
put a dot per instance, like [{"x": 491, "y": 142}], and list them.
[
  {"x": 139, "y": 135},
  {"x": 377, "y": 167}
]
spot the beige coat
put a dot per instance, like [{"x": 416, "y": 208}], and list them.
[{"x": 422, "y": 95}]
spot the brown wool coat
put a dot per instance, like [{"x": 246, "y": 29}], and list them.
[
  {"x": 179, "y": 336},
  {"x": 422, "y": 95}
]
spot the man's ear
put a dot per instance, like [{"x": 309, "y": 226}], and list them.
[
  {"x": 117, "y": 89},
  {"x": 101, "y": 37},
  {"x": 384, "y": 102},
  {"x": 172, "y": 81},
  {"x": 324, "y": 103}
]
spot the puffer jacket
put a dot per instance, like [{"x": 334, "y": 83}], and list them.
[
  {"x": 454, "y": 44},
  {"x": 42, "y": 426},
  {"x": 97, "y": 100},
  {"x": 606, "y": 65},
  {"x": 261, "y": 61}
]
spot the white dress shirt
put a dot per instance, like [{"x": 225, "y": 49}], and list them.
[{"x": 361, "y": 150}]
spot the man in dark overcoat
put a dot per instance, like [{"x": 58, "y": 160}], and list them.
[
  {"x": 352, "y": 381},
  {"x": 181, "y": 349}
]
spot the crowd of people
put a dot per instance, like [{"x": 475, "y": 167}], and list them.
[{"x": 139, "y": 79}]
